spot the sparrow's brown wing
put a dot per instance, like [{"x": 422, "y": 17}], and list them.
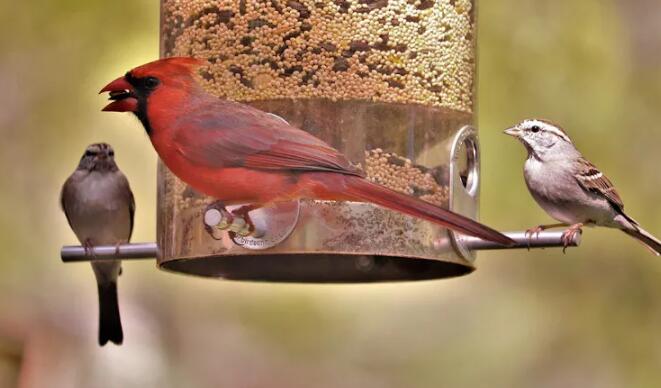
[{"x": 593, "y": 180}]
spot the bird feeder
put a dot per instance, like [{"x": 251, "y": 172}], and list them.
[{"x": 389, "y": 83}]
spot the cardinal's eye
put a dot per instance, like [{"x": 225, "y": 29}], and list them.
[
  {"x": 151, "y": 82},
  {"x": 535, "y": 128}
]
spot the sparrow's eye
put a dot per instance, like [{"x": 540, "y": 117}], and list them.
[
  {"x": 111, "y": 153},
  {"x": 90, "y": 153},
  {"x": 151, "y": 82},
  {"x": 535, "y": 128}
]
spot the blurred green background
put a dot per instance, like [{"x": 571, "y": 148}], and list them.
[{"x": 591, "y": 317}]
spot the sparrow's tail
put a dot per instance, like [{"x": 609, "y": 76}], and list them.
[
  {"x": 649, "y": 241},
  {"x": 110, "y": 324},
  {"x": 362, "y": 190}
]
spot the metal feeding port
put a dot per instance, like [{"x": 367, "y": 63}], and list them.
[
  {"x": 390, "y": 84},
  {"x": 271, "y": 225}
]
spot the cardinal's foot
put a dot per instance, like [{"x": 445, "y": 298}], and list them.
[{"x": 243, "y": 212}]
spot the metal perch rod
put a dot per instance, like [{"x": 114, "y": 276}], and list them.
[
  {"x": 145, "y": 250},
  {"x": 543, "y": 240},
  {"x": 74, "y": 253}
]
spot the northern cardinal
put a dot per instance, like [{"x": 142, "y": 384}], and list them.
[
  {"x": 99, "y": 206},
  {"x": 239, "y": 154}
]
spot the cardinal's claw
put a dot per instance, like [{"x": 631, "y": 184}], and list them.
[{"x": 243, "y": 212}]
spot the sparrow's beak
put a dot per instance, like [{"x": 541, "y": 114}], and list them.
[
  {"x": 514, "y": 131},
  {"x": 122, "y": 96}
]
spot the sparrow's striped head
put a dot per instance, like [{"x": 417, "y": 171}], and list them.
[
  {"x": 98, "y": 157},
  {"x": 540, "y": 135}
]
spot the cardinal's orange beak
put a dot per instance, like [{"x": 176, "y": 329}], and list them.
[{"x": 122, "y": 96}]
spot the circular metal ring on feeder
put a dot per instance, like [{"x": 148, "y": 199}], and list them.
[
  {"x": 465, "y": 158},
  {"x": 464, "y": 180}
]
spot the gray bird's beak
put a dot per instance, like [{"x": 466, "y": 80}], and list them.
[{"x": 514, "y": 131}]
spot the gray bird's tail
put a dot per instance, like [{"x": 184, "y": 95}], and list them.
[
  {"x": 649, "y": 241},
  {"x": 110, "y": 324}
]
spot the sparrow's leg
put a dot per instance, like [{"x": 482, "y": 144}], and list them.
[
  {"x": 540, "y": 228},
  {"x": 569, "y": 234}
]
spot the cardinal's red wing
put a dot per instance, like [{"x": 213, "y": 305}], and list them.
[{"x": 222, "y": 133}]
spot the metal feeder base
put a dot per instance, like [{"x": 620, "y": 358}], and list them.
[{"x": 306, "y": 268}]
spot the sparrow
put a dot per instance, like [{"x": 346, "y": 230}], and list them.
[
  {"x": 237, "y": 154},
  {"x": 569, "y": 187},
  {"x": 99, "y": 206}
]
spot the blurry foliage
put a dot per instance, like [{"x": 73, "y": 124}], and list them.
[{"x": 540, "y": 318}]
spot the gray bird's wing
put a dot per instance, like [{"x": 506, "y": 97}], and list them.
[
  {"x": 126, "y": 189},
  {"x": 132, "y": 211},
  {"x": 594, "y": 181},
  {"x": 63, "y": 203}
]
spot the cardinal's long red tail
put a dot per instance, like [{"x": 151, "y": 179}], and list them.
[{"x": 362, "y": 190}]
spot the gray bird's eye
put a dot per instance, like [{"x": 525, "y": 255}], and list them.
[{"x": 535, "y": 128}]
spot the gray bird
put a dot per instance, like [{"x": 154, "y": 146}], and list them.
[
  {"x": 570, "y": 188},
  {"x": 99, "y": 206}
]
